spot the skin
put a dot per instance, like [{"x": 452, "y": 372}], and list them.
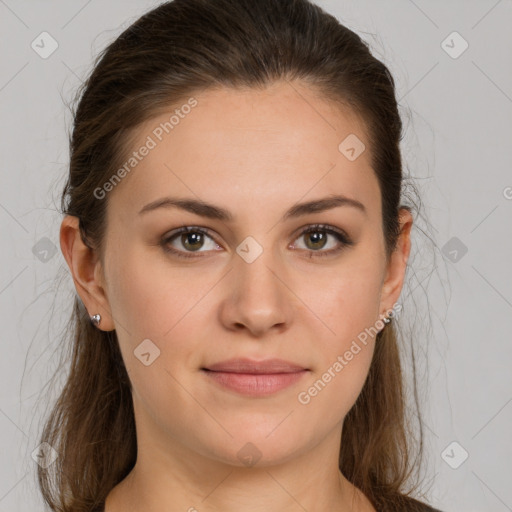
[{"x": 255, "y": 153}]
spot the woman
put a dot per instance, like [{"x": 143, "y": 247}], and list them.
[{"x": 234, "y": 230}]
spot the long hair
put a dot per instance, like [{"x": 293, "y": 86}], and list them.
[{"x": 174, "y": 50}]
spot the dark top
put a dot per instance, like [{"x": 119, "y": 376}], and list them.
[
  {"x": 418, "y": 506},
  {"x": 428, "y": 508}
]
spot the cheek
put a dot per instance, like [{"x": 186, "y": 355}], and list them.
[
  {"x": 348, "y": 306},
  {"x": 345, "y": 299},
  {"x": 331, "y": 392},
  {"x": 149, "y": 299},
  {"x": 344, "y": 358}
]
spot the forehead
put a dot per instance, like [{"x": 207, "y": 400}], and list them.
[{"x": 276, "y": 144}]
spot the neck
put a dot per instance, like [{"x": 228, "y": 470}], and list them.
[{"x": 185, "y": 481}]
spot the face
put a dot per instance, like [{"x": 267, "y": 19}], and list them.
[{"x": 259, "y": 280}]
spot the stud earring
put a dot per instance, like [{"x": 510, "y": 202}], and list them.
[
  {"x": 95, "y": 319},
  {"x": 386, "y": 320}
]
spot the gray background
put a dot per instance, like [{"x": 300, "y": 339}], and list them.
[{"x": 457, "y": 111}]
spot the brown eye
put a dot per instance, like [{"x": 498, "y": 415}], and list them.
[
  {"x": 187, "y": 240},
  {"x": 315, "y": 239},
  {"x": 192, "y": 241},
  {"x": 318, "y": 237}
]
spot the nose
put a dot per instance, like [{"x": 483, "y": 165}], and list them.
[{"x": 257, "y": 298}]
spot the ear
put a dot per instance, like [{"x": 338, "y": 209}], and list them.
[
  {"x": 397, "y": 265},
  {"x": 86, "y": 270}
]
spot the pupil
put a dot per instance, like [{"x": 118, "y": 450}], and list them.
[
  {"x": 317, "y": 237},
  {"x": 195, "y": 237}
]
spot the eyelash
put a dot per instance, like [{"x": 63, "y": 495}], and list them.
[{"x": 342, "y": 237}]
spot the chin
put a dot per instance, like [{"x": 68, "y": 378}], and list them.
[{"x": 255, "y": 449}]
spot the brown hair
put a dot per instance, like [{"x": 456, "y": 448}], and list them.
[{"x": 177, "y": 49}]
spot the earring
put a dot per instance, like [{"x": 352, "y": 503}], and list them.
[
  {"x": 95, "y": 319},
  {"x": 386, "y": 320}
]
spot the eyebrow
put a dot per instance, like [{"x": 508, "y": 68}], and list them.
[{"x": 211, "y": 211}]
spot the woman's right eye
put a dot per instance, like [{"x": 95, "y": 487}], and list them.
[{"x": 191, "y": 239}]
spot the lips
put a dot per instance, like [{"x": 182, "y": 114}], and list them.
[
  {"x": 249, "y": 366},
  {"x": 255, "y": 378}
]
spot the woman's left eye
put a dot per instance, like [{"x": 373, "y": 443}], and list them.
[
  {"x": 317, "y": 238},
  {"x": 192, "y": 239}
]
